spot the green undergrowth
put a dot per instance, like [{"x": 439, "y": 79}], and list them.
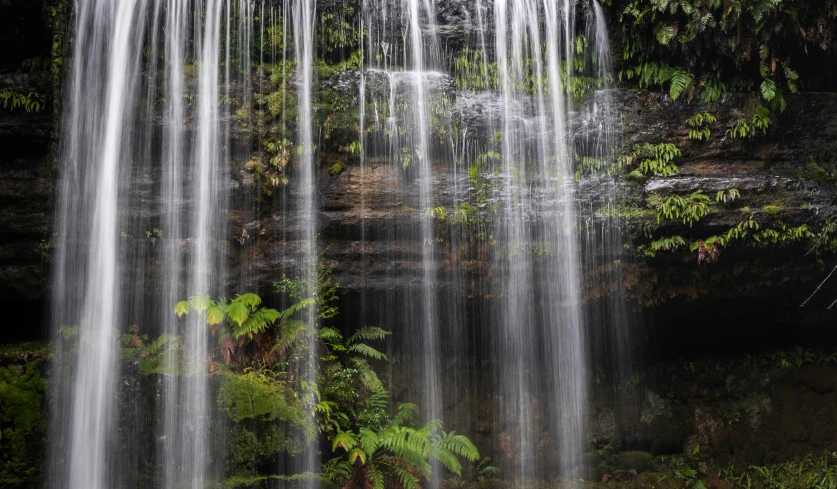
[
  {"x": 22, "y": 413},
  {"x": 808, "y": 473},
  {"x": 796, "y": 357}
]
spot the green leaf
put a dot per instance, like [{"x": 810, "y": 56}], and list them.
[
  {"x": 345, "y": 440},
  {"x": 214, "y": 315},
  {"x": 249, "y": 299},
  {"x": 237, "y": 312},
  {"x": 768, "y": 90},
  {"x": 200, "y": 303},
  {"x": 367, "y": 351},
  {"x": 181, "y": 308},
  {"x": 680, "y": 80},
  {"x": 357, "y": 454},
  {"x": 369, "y": 333}
]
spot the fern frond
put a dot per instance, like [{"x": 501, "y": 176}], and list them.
[
  {"x": 406, "y": 478},
  {"x": 249, "y": 299},
  {"x": 375, "y": 477},
  {"x": 370, "y": 441},
  {"x": 181, "y": 308},
  {"x": 237, "y": 312},
  {"x": 369, "y": 333},
  {"x": 367, "y": 375},
  {"x": 293, "y": 309},
  {"x": 214, "y": 315},
  {"x": 200, "y": 303},
  {"x": 406, "y": 412},
  {"x": 458, "y": 445},
  {"x": 345, "y": 440},
  {"x": 357, "y": 455},
  {"x": 330, "y": 335},
  {"x": 367, "y": 351},
  {"x": 680, "y": 80}
]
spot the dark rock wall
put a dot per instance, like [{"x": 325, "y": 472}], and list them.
[{"x": 27, "y": 164}]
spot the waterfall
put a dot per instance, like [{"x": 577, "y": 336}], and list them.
[
  {"x": 117, "y": 192},
  {"x": 304, "y": 21},
  {"x": 87, "y": 274},
  {"x": 174, "y": 113}
]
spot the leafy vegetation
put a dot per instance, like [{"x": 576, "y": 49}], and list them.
[
  {"x": 652, "y": 159},
  {"x": 759, "y": 122},
  {"x": 371, "y": 445},
  {"x": 698, "y": 48},
  {"x": 691, "y": 209},
  {"x": 30, "y": 102},
  {"x": 808, "y": 473},
  {"x": 382, "y": 450},
  {"x": 22, "y": 416},
  {"x": 699, "y": 126}
]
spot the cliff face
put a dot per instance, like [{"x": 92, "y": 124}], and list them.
[
  {"x": 785, "y": 178},
  {"x": 27, "y": 166}
]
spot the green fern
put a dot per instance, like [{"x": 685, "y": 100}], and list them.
[{"x": 377, "y": 446}]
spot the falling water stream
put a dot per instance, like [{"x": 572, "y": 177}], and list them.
[{"x": 158, "y": 130}]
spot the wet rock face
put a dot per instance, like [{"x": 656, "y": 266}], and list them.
[
  {"x": 361, "y": 210},
  {"x": 26, "y": 173},
  {"x": 785, "y": 177}
]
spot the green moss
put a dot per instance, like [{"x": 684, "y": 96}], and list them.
[
  {"x": 267, "y": 418},
  {"x": 251, "y": 396},
  {"x": 337, "y": 168},
  {"x": 816, "y": 173},
  {"x": 771, "y": 210},
  {"x": 22, "y": 423}
]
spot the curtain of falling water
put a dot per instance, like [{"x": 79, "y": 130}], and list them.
[
  {"x": 87, "y": 293},
  {"x": 611, "y": 318},
  {"x": 420, "y": 13},
  {"x": 173, "y": 146},
  {"x": 540, "y": 352},
  {"x": 304, "y": 20},
  {"x": 117, "y": 185},
  {"x": 536, "y": 327}
]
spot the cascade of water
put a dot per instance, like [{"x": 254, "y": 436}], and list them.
[
  {"x": 174, "y": 142},
  {"x": 304, "y": 21},
  {"x": 86, "y": 276},
  {"x": 536, "y": 326},
  {"x": 423, "y": 156},
  {"x": 115, "y": 185},
  {"x": 611, "y": 318},
  {"x": 541, "y": 348}
]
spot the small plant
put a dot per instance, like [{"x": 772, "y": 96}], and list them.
[
  {"x": 808, "y": 473},
  {"x": 728, "y": 195},
  {"x": 743, "y": 129},
  {"x": 31, "y": 102},
  {"x": 654, "y": 159},
  {"x": 669, "y": 243},
  {"x": 771, "y": 210},
  {"x": 690, "y": 468},
  {"x": 691, "y": 209},
  {"x": 378, "y": 450},
  {"x": 436, "y": 213},
  {"x": 699, "y": 126},
  {"x": 154, "y": 235}
]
